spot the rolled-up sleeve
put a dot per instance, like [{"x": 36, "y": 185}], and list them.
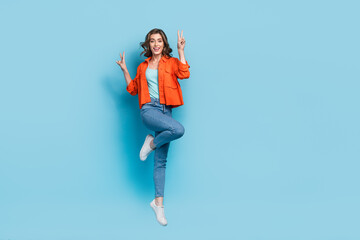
[
  {"x": 132, "y": 88},
  {"x": 182, "y": 69}
]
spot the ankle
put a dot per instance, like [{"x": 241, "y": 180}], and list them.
[
  {"x": 158, "y": 203},
  {"x": 152, "y": 145}
]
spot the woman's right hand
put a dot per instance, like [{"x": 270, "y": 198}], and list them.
[{"x": 122, "y": 63}]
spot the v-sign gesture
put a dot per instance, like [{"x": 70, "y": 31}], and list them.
[
  {"x": 122, "y": 63},
  {"x": 181, "y": 41}
]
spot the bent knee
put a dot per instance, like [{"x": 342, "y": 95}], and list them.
[{"x": 179, "y": 131}]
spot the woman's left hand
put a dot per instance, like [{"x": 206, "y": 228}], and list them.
[{"x": 181, "y": 41}]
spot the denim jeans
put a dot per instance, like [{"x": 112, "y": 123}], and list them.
[{"x": 158, "y": 118}]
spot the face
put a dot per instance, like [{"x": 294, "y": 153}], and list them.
[{"x": 156, "y": 44}]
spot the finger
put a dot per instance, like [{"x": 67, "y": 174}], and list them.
[
  {"x": 124, "y": 55},
  {"x": 120, "y": 56},
  {"x": 181, "y": 33},
  {"x": 178, "y": 35}
]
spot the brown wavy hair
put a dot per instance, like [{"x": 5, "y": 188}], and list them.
[{"x": 146, "y": 45}]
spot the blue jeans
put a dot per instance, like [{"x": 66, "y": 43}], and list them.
[{"x": 158, "y": 118}]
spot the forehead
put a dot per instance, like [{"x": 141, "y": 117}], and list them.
[{"x": 155, "y": 36}]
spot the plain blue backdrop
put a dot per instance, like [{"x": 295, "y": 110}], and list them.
[{"x": 271, "y": 117}]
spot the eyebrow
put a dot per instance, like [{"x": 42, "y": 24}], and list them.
[{"x": 155, "y": 39}]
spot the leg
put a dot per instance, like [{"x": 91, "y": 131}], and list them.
[
  {"x": 169, "y": 128},
  {"x": 159, "y": 171},
  {"x": 166, "y": 130}
]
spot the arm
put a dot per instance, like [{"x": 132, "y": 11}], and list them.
[
  {"x": 127, "y": 77},
  {"x": 132, "y": 85},
  {"x": 182, "y": 56},
  {"x": 182, "y": 69}
]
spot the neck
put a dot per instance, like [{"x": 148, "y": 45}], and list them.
[{"x": 156, "y": 57}]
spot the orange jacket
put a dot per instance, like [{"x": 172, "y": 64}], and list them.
[{"x": 169, "y": 70}]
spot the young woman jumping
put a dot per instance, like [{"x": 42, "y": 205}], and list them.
[{"x": 159, "y": 91}]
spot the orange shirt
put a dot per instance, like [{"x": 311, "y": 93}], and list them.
[{"x": 169, "y": 70}]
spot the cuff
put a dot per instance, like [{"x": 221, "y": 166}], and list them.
[
  {"x": 183, "y": 66},
  {"x": 130, "y": 88}
]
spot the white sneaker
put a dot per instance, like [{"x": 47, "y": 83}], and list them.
[
  {"x": 159, "y": 211},
  {"x": 146, "y": 149}
]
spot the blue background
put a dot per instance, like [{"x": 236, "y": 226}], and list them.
[{"x": 271, "y": 147}]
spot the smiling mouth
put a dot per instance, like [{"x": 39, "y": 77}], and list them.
[{"x": 156, "y": 49}]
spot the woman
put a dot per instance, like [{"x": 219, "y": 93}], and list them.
[{"x": 158, "y": 91}]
